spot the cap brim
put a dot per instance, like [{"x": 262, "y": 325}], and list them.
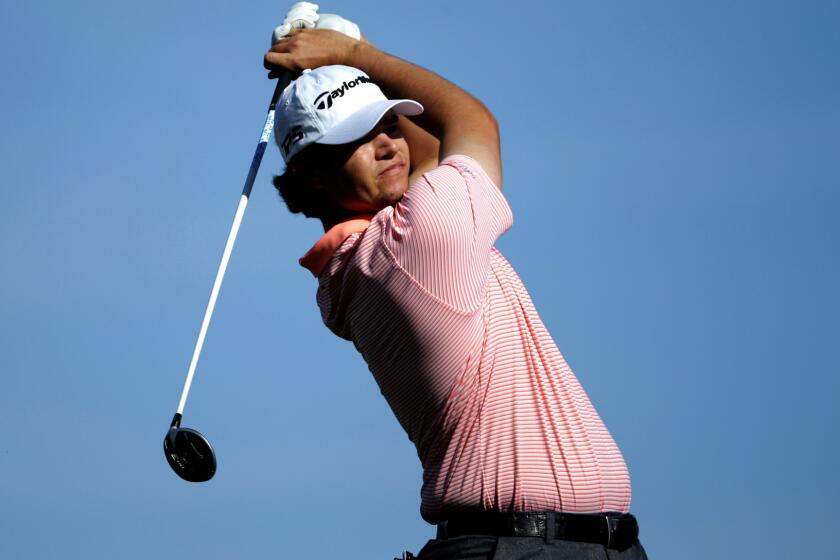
[{"x": 362, "y": 121}]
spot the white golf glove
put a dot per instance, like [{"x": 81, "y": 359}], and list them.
[
  {"x": 305, "y": 15},
  {"x": 338, "y": 23}
]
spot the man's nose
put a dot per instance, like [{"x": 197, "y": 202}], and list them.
[{"x": 386, "y": 148}]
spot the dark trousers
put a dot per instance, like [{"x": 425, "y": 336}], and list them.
[{"x": 523, "y": 548}]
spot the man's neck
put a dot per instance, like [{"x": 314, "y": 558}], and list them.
[{"x": 337, "y": 217}]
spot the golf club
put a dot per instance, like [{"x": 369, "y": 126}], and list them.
[{"x": 188, "y": 452}]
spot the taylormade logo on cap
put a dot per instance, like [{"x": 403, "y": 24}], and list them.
[
  {"x": 331, "y": 105},
  {"x": 325, "y": 103}
]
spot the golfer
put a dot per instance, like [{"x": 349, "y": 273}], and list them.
[{"x": 403, "y": 169}]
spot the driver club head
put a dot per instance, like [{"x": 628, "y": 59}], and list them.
[{"x": 189, "y": 453}]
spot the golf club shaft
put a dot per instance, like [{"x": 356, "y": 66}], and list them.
[{"x": 282, "y": 82}]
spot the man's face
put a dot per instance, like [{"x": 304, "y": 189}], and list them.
[{"x": 368, "y": 174}]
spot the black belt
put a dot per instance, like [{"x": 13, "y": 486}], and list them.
[{"x": 613, "y": 530}]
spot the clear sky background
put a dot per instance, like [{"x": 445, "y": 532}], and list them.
[{"x": 673, "y": 171}]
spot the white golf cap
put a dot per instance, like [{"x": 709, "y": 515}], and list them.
[{"x": 331, "y": 105}]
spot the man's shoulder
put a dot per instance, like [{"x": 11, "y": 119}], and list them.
[{"x": 469, "y": 170}]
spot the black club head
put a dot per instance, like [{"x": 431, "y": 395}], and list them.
[{"x": 189, "y": 453}]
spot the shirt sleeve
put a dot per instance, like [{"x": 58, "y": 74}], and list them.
[{"x": 444, "y": 228}]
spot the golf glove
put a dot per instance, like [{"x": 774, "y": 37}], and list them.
[
  {"x": 338, "y": 23},
  {"x": 305, "y": 15}
]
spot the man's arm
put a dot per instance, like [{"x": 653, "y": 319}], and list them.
[
  {"x": 424, "y": 148},
  {"x": 460, "y": 121}
]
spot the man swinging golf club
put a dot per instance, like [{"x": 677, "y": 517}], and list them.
[{"x": 403, "y": 169}]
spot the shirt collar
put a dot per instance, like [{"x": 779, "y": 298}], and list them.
[{"x": 320, "y": 254}]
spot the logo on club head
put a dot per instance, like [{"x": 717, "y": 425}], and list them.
[
  {"x": 294, "y": 136},
  {"x": 326, "y": 103}
]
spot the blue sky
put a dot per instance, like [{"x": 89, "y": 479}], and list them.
[{"x": 672, "y": 168}]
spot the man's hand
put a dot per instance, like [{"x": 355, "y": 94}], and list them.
[
  {"x": 301, "y": 15},
  {"x": 310, "y": 48},
  {"x": 304, "y": 15}
]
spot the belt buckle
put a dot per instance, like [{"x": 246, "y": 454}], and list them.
[{"x": 525, "y": 524}]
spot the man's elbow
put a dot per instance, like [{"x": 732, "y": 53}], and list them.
[{"x": 491, "y": 124}]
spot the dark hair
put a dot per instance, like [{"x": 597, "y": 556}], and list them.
[{"x": 300, "y": 197}]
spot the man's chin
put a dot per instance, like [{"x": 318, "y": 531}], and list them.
[
  {"x": 393, "y": 191},
  {"x": 394, "y": 198}
]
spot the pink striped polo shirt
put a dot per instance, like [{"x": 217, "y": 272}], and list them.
[{"x": 450, "y": 334}]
